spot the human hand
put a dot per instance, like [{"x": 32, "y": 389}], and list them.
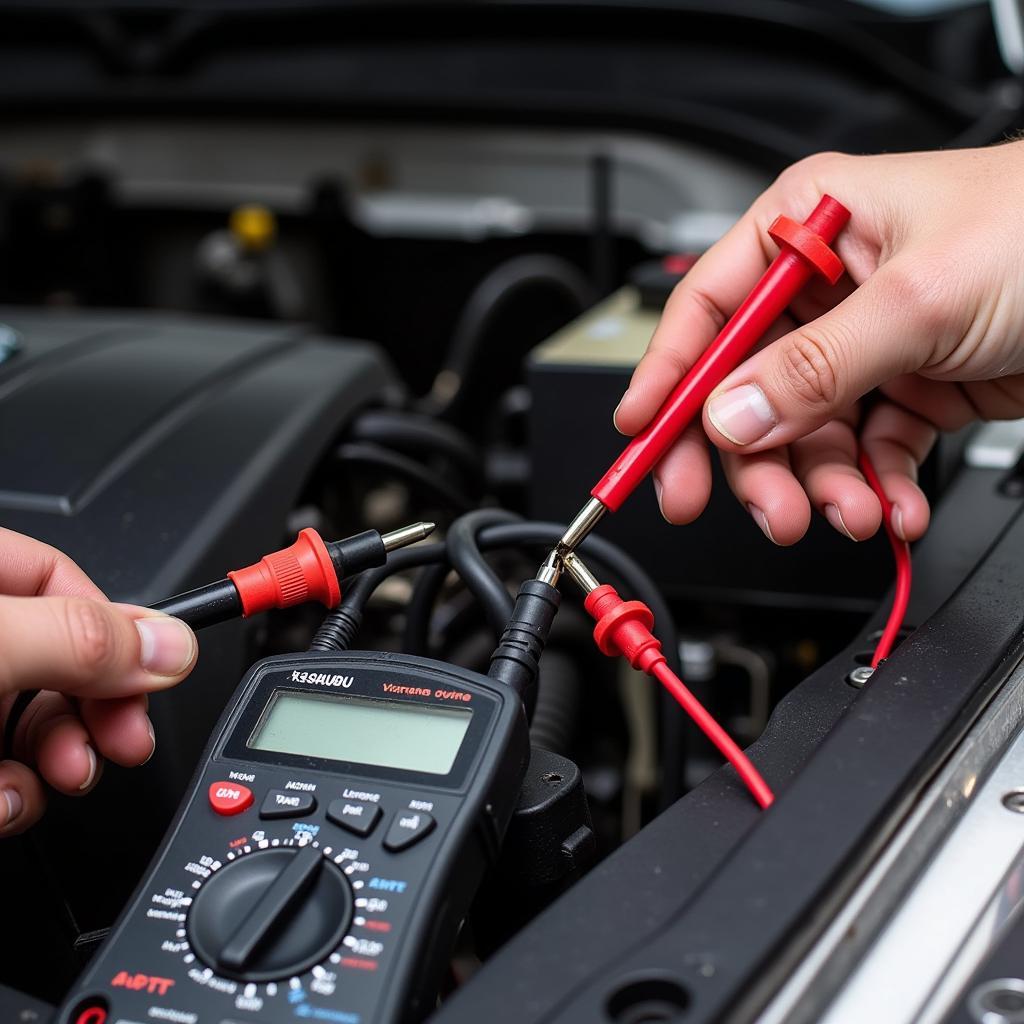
[
  {"x": 930, "y": 314},
  {"x": 97, "y": 662}
]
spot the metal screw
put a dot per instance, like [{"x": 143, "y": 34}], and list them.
[
  {"x": 860, "y": 675},
  {"x": 1014, "y": 800}
]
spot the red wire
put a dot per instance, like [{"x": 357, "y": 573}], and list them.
[
  {"x": 901, "y": 552},
  {"x": 744, "y": 768}
]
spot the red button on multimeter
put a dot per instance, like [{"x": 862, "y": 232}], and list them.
[{"x": 229, "y": 797}]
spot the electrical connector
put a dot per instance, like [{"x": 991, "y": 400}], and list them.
[{"x": 516, "y": 659}]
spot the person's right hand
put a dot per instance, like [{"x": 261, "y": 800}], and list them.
[
  {"x": 932, "y": 313},
  {"x": 94, "y": 662}
]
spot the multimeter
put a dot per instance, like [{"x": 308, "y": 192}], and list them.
[{"x": 329, "y": 846}]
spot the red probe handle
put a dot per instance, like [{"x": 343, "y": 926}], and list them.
[
  {"x": 294, "y": 575},
  {"x": 805, "y": 250}
]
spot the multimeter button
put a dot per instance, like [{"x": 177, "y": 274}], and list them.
[
  {"x": 229, "y": 797},
  {"x": 408, "y": 827},
  {"x": 358, "y": 818},
  {"x": 282, "y": 804}
]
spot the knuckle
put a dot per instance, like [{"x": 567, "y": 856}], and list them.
[
  {"x": 922, "y": 290},
  {"x": 708, "y": 307},
  {"x": 812, "y": 167},
  {"x": 809, "y": 369},
  {"x": 92, "y": 635}
]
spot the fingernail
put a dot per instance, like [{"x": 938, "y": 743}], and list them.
[
  {"x": 762, "y": 520},
  {"x": 168, "y": 645},
  {"x": 152, "y": 742},
  {"x": 835, "y": 517},
  {"x": 13, "y": 800},
  {"x": 658, "y": 489},
  {"x": 743, "y": 415},
  {"x": 896, "y": 518},
  {"x": 93, "y": 764}
]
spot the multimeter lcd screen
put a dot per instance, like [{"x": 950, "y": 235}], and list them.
[{"x": 383, "y": 733}]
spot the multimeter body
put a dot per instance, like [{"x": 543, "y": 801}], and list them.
[{"x": 329, "y": 847}]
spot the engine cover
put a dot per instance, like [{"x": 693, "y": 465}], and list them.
[{"x": 160, "y": 451}]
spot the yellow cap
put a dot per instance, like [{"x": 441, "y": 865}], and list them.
[{"x": 253, "y": 226}]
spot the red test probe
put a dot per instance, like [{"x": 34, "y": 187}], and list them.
[
  {"x": 805, "y": 250},
  {"x": 624, "y": 627}
]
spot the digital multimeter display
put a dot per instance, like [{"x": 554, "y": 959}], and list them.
[{"x": 382, "y": 733}]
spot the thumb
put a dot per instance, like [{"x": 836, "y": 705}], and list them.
[
  {"x": 809, "y": 376},
  {"x": 89, "y": 648}
]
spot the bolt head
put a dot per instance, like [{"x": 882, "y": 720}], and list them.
[{"x": 860, "y": 675}]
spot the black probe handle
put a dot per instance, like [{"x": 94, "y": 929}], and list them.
[{"x": 204, "y": 606}]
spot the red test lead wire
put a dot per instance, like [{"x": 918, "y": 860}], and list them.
[
  {"x": 624, "y": 627},
  {"x": 805, "y": 251},
  {"x": 901, "y": 552}
]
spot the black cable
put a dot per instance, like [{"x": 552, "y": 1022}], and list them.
[
  {"x": 417, "y": 476},
  {"x": 596, "y": 550},
  {"x": 418, "y": 434},
  {"x": 558, "y": 702},
  {"x": 481, "y": 580},
  {"x": 336, "y": 631},
  {"x": 487, "y": 300},
  {"x": 420, "y": 608}
]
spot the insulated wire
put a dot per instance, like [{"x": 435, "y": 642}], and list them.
[
  {"x": 705, "y": 721},
  {"x": 901, "y": 552}
]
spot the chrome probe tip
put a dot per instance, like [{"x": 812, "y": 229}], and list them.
[
  {"x": 407, "y": 535},
  {"x": 577, "y": 569},
  {"x": 586, "y": 519},
  {"x": 551, "y": 570}
]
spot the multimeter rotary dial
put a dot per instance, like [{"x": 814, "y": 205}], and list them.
[{"x": 271, "y": 914}]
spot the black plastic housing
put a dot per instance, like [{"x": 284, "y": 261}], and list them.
[{"x": 428, "y": 887}]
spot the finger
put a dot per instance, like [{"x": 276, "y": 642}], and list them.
[
  {"x": 825, "y": 462},
  {"x": 945, "y": 404},
  {"x": 52, "y": 739},
  {"x": 90, "y": 648},
  {"x": 120, "y": 729},
  {"x": 28, "y": 567},
  {"x": 897, "y": 442},
  {"x": 22, "y": 799},
  {"x": 694, "y": 314},
  {"x": 682, "y": 479},
  {"x": 1001, "y": 398},
  {"x": 765, "y": 485},
  {"x": 63, "y": 753},
  {"x": 818, "y": 297},
  {"x": 811, "y": 375},
  {"x": 725, "y": 274}
]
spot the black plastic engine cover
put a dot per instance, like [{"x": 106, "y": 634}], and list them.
[{"x": 160, "y": 451}]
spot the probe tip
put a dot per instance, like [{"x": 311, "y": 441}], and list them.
[
  {"x": 577, "y": 569},
  {"x": 586, "y": 519},
  {"x": 551, "y": 570},
  {"x": 407, "y": 535}
]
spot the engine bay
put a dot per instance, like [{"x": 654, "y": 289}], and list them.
[{"x": 348, "y": 267}]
